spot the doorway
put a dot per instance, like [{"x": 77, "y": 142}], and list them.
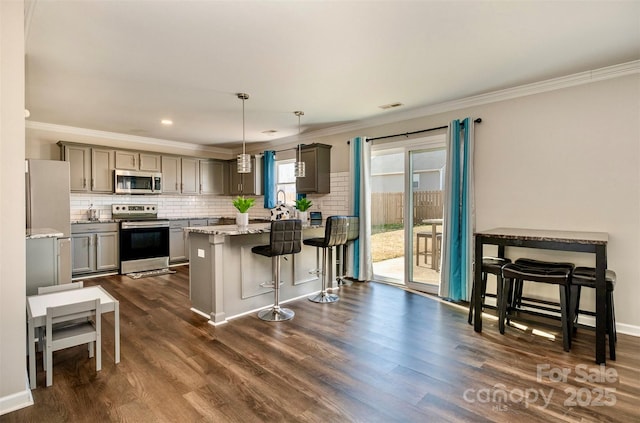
[{"x": 407, "y": 181}]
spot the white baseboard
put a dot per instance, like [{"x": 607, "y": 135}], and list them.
[
  {"x": 620, "y": 327},
  {"x": 16, "y": 401}
]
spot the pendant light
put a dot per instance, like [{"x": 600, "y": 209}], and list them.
[
  {"x": 300, "y": 166},
  {"x": 244, "y": 159}
]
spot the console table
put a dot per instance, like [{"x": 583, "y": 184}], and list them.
[{"x": 584, "y": 242}]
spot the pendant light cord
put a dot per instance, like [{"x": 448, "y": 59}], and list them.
[
  {"x": 243, "y": 138},
  {"x": 299, "y": 148}
]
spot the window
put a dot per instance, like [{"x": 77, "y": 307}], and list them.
[{"x": 286, "y": 180}]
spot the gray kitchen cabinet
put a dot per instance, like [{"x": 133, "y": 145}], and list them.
[
  {"x": 91, "y": 169},
  {"x": 177, "y": 241},
  {"x": 127, "y": 160},
  {"x": 42, "y": 263},
  {"x": 94, "y": 247},
  {"x": 133, "y": 160},
  {"x": 317, "y": 159},
  {"x": 171, "y": 178},
  {"x": 213, "y": 177},
  {"x": 79, "y": 159},
  {"x": 245, "y": 183},
  {"x": 181, "y": 175},
  {"x": 102, "y": 165},
  {"x": 190, "y": 175}
]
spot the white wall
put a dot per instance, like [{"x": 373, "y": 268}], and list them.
[
  {"x": 13, "y": 390},
  {"x": 567, "y": 159}
]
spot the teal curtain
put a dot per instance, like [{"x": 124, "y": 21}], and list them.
[
  {"x": 359, "y": 262},
  {"x": 269, "y": 178},
  {"x": 459, "y": 214}
]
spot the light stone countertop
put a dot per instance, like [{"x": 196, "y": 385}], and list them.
[
  {"x": 36, "y": 233},
  {"x": 252, "y": 228}
]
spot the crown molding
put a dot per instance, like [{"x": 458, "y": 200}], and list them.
[
  {"x": 72, "y": 130},
  {"x": 582, "y": 78}
]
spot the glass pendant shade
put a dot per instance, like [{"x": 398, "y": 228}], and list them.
[
  {"x": 299, "y": 169},
  {"x": 244, "y": 159},
  {"x": 244, "y": 163}
]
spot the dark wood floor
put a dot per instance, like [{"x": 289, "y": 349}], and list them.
[{"x": 381, "y": 354}]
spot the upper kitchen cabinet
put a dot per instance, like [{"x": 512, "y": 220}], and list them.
[
  {"x": 213, "y": 177},
  {"x": 133, "y": 160},
  {"x": 245, "y": 183},
  {"x": 91, "y": 169},
  {"x": 171, "y": 178},
  {"x": 190, "y": 175},
  {"x": 181, "y": 175},
  {"x": 317, "y": 159}
]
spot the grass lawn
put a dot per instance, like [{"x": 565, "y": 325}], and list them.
[{"x": 387, "y": 241}]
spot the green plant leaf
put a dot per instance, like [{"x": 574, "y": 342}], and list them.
[
  {"x": 243, "y": 204},
  {"x": 303, "y": 204}
]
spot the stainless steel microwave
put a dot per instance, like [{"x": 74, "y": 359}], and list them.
[{"x": 134, "y": 182}]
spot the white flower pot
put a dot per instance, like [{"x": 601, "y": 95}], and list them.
[
  {"x": 303, "y": 216},
  {"x": 242, "y": 220}
]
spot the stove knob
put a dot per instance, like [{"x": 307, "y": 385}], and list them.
[{"x": 117, "y": 207}]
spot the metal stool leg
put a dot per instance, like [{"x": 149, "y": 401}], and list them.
[
  {"x": 342, "y": 279},
  {"x": 275, "y": 313},
  {"x": 323, "y": 296}
]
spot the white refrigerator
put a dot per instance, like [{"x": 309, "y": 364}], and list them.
[{"x": 48, "y": 206}]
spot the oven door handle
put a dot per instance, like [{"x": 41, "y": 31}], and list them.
[{"x": 144, "y": 225}]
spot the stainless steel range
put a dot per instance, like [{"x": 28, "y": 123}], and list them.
[{"x": 144, "y": 239}]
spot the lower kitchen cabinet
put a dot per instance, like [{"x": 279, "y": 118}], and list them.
[
  {"x": 94, "y": 247},
  {"x": 177, "y": 241},
  {"x": 42, "y": 263}
]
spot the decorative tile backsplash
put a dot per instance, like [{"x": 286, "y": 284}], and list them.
[{"x": 178, "y": 206}]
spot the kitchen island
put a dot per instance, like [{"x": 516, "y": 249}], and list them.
[{"x": 227, "y": 280}]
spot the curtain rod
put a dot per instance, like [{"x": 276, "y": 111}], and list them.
[
  {"x": 406, "y": 134},
  {"x": 286, "y": 149}
]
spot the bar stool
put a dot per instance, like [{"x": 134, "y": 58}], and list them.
[
  {"x": 557, "y": 276},
  {"x": 491, "y": 265},
  {"x": 586, "y": 277},
  {"x": 434, "y": 252},
  {"x": 516, "y": 296},
  {"x": 353, "y": 233},
  {"x": 285, "y": 238},
  {"x": 335, "y": 233}
]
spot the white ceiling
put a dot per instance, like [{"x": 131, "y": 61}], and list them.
[{"x": 122, "y": 66}]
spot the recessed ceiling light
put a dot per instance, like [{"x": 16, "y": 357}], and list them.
[
  {"x": 390, "y": 106},
  {"x": 269, "y": 132},
  {"x": 166, "y": 122}
]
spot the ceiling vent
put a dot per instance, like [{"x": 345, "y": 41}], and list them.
[{"x": 390, "y": 106}]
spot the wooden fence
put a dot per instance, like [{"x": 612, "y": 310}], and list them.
[{"x": 388, "y": 207}]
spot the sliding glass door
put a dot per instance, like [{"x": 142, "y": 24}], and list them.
[{"x": 406, "y": 200}]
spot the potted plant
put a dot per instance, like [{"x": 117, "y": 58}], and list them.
[
  {"x": 303, "y": 204},
  {"x": 243, "y": 205}
]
